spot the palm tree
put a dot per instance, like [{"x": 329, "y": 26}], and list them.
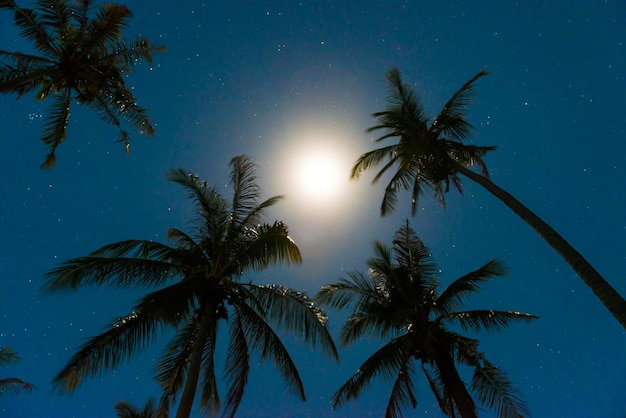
[
  {"x": 200, "y": 286},
  {"x": 432, "y": 155},
  {"x": 398, "y": 302},
  {"x": 11, "y": 384},
  {"x": 79, "y": 58}
]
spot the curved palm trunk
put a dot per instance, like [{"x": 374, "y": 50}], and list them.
[
  {"x": 613, "y": 301},
  {"x": 450, "y": 376},
  {"x": 191, "y": 383}
]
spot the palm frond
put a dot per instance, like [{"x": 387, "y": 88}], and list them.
[
  {"x": 439, "y": 389},
  {"x": 8, "y": 4},
  {"x": 263, "y": 339},
  {"x": 463, "y": 287},
  {"x": 118, "y": 272},
  {"x": 237, "y": 366},
  {"x": 55, "y": 14},
  {"x": 268, "y": 244},
  {"x": 380, "y": 320},
  {"x": 401, "y": 180},
  {"x": 55, "y": 127},
  {"x": 402, "y": 392},
  {"x": 293, "y": 311},
  {"x": 134, "y": 248},
  {"x": 373, "y": 159},
  {"x": 495, "y": 390},
  {"x": 350, "y": 293},
  {"x": 404, "y": 112},
  {"x": 174, "y": 303},
  {"x": 130, "y": 53},
  {"x": 451, "y": 120},
  {"x": 469, "y": 155},
  {"x": 105, "y": 27},
  {"x": 246, "y": 190},
  {"x": 173, "y": 365},
  {"x": 33, "y": 28},
  {"x": 211, "y": 208},
  {"x": 14, "y": 385},
  {"x": 487, "y": 319},
  {"x": 385, "y": 362},
  {"x": 411, "y": 252},
  {"x": 209, "y": 395},
  {"x": 8, "y": 356},
  {"x": 126, "y": 336}
]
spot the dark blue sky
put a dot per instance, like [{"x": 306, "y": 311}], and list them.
[{"x": 275, "y": 79}]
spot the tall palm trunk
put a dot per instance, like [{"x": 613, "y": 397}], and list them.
[
  {"x": 450, "y": 376},
  {"x": 191, "y": 383},
  {"x": 613, "y": 301}
]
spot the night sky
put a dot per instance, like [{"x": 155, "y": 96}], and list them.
[{"x": 286, "y": 81}]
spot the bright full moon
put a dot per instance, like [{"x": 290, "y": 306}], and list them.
[
  {"x": 320, "y": 175},
  {"x": 313, "y": 171}
]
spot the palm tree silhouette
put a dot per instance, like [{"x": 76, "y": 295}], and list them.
[
  {"x": 79, "y": 58},
  {"x": 432, "y": 155},
  {"x": 200, "y": 281},
  {"x": 11, "y": 384},
  {"x": 398, "y": 302}
]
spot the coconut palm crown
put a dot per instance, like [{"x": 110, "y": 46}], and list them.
[
  {"x": 427, "y": 154},
  {"x": 398, "y": 301},
  {"x": 200, "y": 284},
  {"x": 79, "y": 56}
]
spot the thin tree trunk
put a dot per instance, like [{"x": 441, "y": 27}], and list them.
[
  {"x": 450, "y": 376},
  {"x": 191, "y": 382},
  {"x": 613, "y": 301}
]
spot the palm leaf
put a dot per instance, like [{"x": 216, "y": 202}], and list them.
[
  {"x": 174, "y": 303},
  {"x": 211, "y": 208},
  {"x": 348, "y": 293},
  {"x": 105, "y": 27},
  {"x": 8, "y": 356},
  {"x": 401, "y": 180},
  {"x": 263, "y": 339},
  {"x": 402, "y": 392},
  {"x": 14, "y": 385},
  {"x": 246, "y": 191},
  {"x": 440, "y": 391},
  {"x": 119, "y": 272},
  {"x": 386, "y": 362},
  {"x": 237, "y": 365},
  {"x": 452, "y": 297},
  {"x": 144, "y": 249},
  {"x": 209, "y": 395},
  {"x": 33, "y": 29},
  {"x": 8, "y": 4},
  {"x": 129, "y": 53},
  {"x": 373, "y": 159},
  {"x": 56, "y": 15},
  {"x": 173, "y": 365},
  {"x": 451, "y": 120},
  {"x": 267, "y": 244},
  {"x": 494, "y": 389},
  {"x": 55, "y": 127},
  {"x": 411, "y": 252},
  {"x": 293, "y": 311},
  {"x": 128, "y": 335},
  {"x": 380, "y": 320},
  {"x": 486, "y": 319}
]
